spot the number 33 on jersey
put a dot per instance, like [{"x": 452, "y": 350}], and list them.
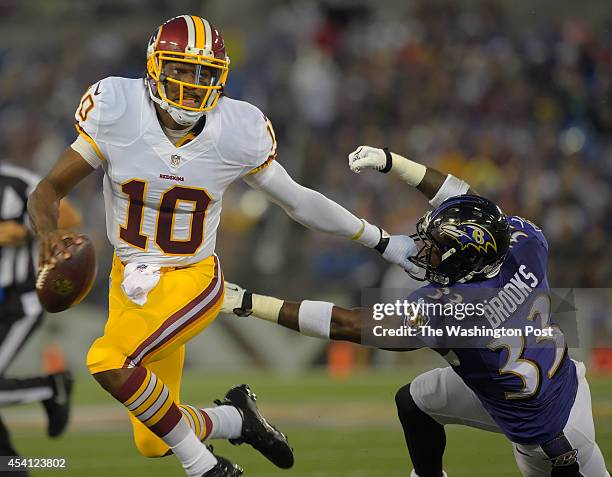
[{"x": 163, "y": 202}]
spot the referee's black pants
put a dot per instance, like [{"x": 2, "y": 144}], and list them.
[{"x": 14, "y": 333}]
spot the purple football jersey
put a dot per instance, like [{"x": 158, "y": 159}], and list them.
[{"x": 517, "y": 361}]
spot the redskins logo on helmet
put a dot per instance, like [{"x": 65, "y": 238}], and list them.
[{"x": 187, "y": 67}]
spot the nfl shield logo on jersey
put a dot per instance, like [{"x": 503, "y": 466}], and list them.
[{"x": 175, "y": 160}]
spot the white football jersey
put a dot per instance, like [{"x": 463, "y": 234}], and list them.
[{"x": 163, "y": 202}]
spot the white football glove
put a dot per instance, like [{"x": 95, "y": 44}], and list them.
[
  {"x": 398, "y": 251},
  {"x": 233, "y": 298},
  {"x": 366, "y": 157}
]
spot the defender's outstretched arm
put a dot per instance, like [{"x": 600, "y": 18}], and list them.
[
  {"x": 313, "y": 318},
  {"x": 319, "y": 319},
  {"x": 435, "y": 185}
]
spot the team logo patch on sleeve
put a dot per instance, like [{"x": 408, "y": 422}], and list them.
[
  {"x": 565, "y": 460},
  {"x": 470, "y": 235}
]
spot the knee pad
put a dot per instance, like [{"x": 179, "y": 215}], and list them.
[
  {"x": 429, "y": 390},
  {"x": 103, "y": 356}
]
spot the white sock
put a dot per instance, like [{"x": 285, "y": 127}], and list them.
[
  {"x": 226, "y": 422},
  {"x": 194, "y": 456},
  {"x": 414, "y": 474}
]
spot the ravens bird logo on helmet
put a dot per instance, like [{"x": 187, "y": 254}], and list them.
[{"x": 470, "y": 235}]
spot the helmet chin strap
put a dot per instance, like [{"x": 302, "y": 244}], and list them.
[{"x": 180, "y": 116}]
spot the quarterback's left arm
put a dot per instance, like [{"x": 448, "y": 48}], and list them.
[{"x": 315, "y": 211}]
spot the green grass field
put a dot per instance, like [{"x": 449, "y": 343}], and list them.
[{"x": 338, "y": 428}]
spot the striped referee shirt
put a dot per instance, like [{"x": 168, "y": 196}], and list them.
[{"x": 17, "y": 264}]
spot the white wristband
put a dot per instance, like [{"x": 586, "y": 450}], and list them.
[
  {"x": 266, "y": 307},
  {"x": 314, "y": 318},
  {"x": 451, "y": 187},
  {"x": 410, "y": 171}
]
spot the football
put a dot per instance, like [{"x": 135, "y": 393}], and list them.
[{"x": 70, "y": 280}]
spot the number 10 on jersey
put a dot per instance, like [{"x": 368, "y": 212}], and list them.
[{"x": 131, "y": 232}]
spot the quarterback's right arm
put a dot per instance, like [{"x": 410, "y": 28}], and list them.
[
  {"x": 44, "y": 202},
  {"x": 74, "y": 164},
  {"x": 436, "y": 186}
]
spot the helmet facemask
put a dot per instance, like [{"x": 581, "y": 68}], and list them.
[
  {"x": 187, "y": 81},
  {"x": 428, "y": 258}
]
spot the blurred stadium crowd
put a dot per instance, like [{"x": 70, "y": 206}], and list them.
[{"x": 523, "y": 114}]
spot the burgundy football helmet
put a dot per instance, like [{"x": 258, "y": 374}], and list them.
[{"x": 186, "y": 55}]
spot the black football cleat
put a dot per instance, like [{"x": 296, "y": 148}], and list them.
[
  {"x": 58, "y": 406},
  {"x": 223, "y": 468},
  {"x": 256, "y": 431}
]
